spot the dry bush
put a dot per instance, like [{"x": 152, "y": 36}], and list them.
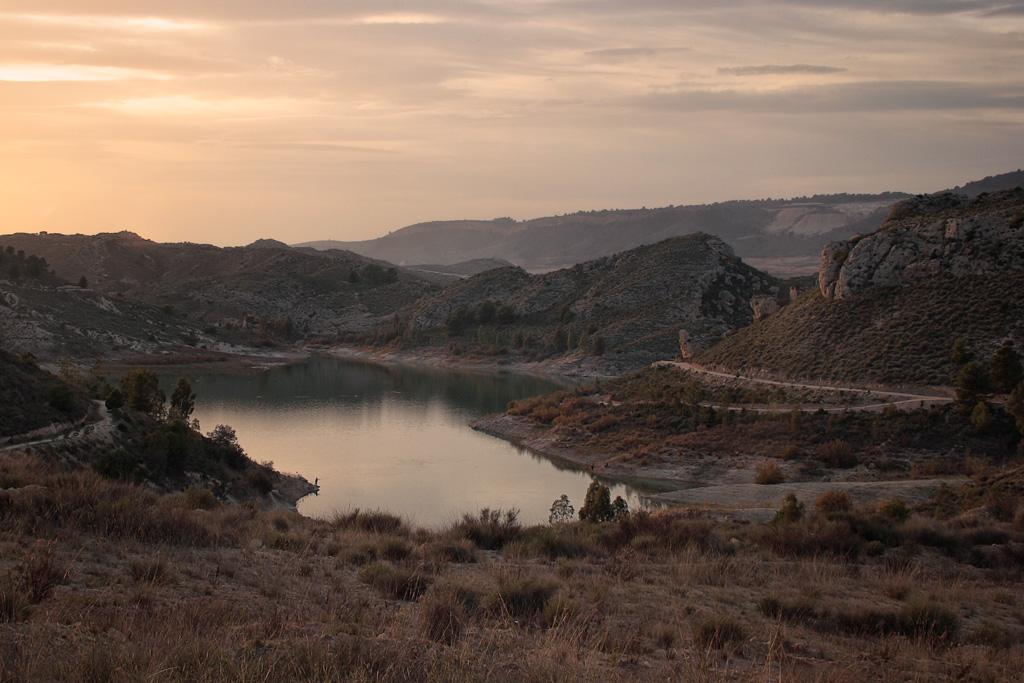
[
  {"x": 659, "y": 531},
  {"x": 152, "y": 570},
  {"x": 552, "y": 543},
  {"x": 454, "y": 550},
  {"x": 441, "y": 617},
  {"x": 837, "y": 453},
  {"x": 40, "y": 572},
  {"x": 490, "y": 529},
  {"x": 717, "y": 632},
  {"x": 768, "y": 473},
  {"x": 373, "y": 521},
  {"x": 521, "y": 597},
  {"x": 14, "y": 605},
  {"x": 833, "y": 501},
  {"x": 401, "y": 583}
]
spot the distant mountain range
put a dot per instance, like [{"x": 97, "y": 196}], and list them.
[{"x": 779, "y": 235}]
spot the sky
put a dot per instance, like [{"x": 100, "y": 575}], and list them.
[{"x": 224, "y": 121}]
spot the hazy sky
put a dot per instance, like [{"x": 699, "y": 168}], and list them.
[{"x": 223, "y": 121}]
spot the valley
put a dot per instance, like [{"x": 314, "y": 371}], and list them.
[{"x": 830, "y": 465}]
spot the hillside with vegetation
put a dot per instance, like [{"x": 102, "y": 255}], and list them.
[
  {"x": 891, "y": 305},
  {"x": 118, "y": 294},
  {"x": 607, "y": 315}
]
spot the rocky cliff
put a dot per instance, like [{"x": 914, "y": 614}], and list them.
[{"x": 946, "y": 234}]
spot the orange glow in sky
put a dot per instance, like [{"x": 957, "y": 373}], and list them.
[{"x": 230, "y": 121}]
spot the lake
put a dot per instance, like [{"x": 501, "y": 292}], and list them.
[{"x": 392, "y": 437}]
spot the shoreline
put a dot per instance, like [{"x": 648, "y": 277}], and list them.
[{"x": 711, "y": 484}]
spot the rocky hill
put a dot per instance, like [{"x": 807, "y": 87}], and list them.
[
  {"x": 891, "y": 303},
  {"x": 264, "y": 285},
  {"x": 609, "y": 314},
  {"x": 927, "y": 236}
]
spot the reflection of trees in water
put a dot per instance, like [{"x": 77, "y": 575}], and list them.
[
  {"x": 349, "y": 382},
  {"x": 632, "y": 490}
]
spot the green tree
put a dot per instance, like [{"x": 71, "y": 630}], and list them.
[
  {"x": 597, "y": 506},
  {"x": 183, "y": 400},
  {"x": 486, "y": 312},
  {"x": 142, "y": 392},
  {"x": 621, "y": 508},
  {"x": 1005, "y": 369},
  {"x": 981, "y": 416},
  {"x": 561, "y": 511},
  {"x": 83, "y": 282},
  {"x": 960, "y": 354},
  {"x": 972, "y": 382},
  {"x": 505, "y": 315}
]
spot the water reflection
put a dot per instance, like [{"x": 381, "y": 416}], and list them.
[{"x": 391, "y": 437}]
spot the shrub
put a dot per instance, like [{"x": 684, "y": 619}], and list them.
[
  {"x": 118, "y": 464},
  {"x": 261, "y": 481},
  {"x": 152, "y": 570},
  {"x": 440, "y": 618},
  {"x": 401, "y": 583},
  {"x": 13, "y": 603},
  {"x": 928, "y": 620},
  {"x": 717, "y": 632},
  {"x": 895, "y": 510},
  {"x": 199, "y": 498},
  {"x": 373, "y": 521},
  {"x": 833, "y": 501},
  {"x": 521, "y": 597},
  {"x": 792, "y": 510},
  {"x": 837, "y": 453},
  {"x": 981, "y": 416},
  {"x": 768, "y": 473},
  {"x": 40, "y": 572},
  {"x": 490, "y": 529}
]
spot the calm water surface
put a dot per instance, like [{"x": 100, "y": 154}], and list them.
[{"x": 391, "y": 437}]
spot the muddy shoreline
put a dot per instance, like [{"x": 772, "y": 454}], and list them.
[{"x": 707, "y": 482}]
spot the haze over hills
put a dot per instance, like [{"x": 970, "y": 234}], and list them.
[{"x": 780, "y": 235}]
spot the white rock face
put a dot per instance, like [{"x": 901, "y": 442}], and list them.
[
  {"x": 948, "y": 235},
  {"x": 764, "y": 306}
]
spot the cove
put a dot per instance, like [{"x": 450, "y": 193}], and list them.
[{"x": 391, "y": 437}]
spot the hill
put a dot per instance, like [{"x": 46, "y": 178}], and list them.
[
  {"x": 758, "y": 229},
  {"x": 205, "y": 294},
  {"x": 782, "y": 236},
  {"x": 605, "y": 315},
  {"x": 890, "y": 304}
]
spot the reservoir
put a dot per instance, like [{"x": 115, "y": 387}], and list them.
[{"x": 391, "y": 437}]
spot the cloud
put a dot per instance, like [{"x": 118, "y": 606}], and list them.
[
  {"x": 42, "y": 73},
  {"x": 870, "y": 96},
  {"x": 772, "y": 70},
  {"x": 628, "y": 54}
]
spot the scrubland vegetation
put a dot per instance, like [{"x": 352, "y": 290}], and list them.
[
  {"x": 884, "y": 335},
  {"x": 104, "y": 580}
]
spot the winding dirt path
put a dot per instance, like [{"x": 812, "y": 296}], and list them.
[
  {"x": 100, "y": 427},
  {"x": 899, "y": 398}
]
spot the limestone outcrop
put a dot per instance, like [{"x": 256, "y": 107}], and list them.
[
  {"x": 764, "y": 306},
  {"x": 928, "y": 236}
]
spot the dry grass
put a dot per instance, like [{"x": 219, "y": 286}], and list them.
[{"x": 363, "y": 597}]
